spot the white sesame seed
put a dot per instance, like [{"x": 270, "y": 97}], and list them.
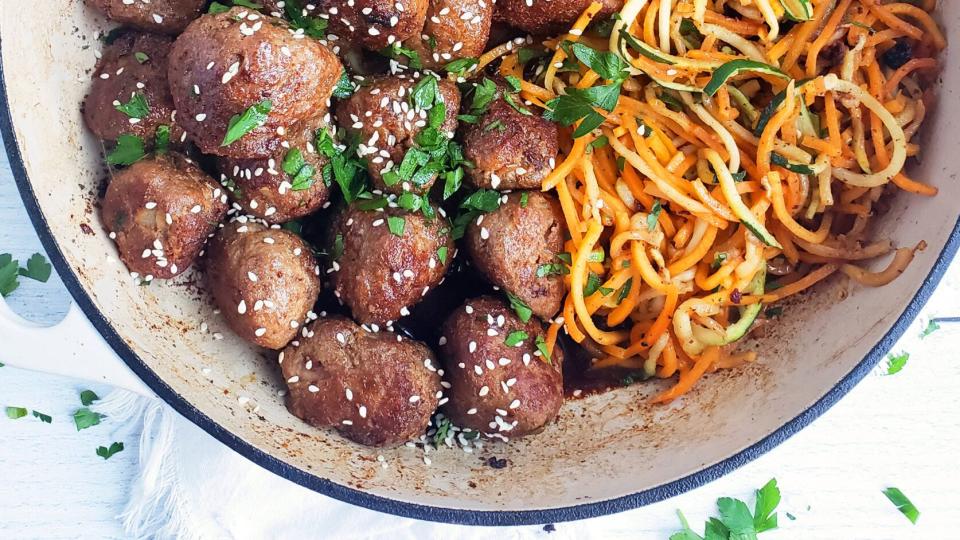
[
  {"x": 484, "y": 391},
  {"x": 259, "y": 332}
]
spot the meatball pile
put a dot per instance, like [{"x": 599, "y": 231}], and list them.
[{"x": 310, "y": 161}]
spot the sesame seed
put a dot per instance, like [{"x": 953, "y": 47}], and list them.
[
  {"x": 363, "y": 411},
  {"x": 259, "y": 332},
  {"x": 295, "y": 378},
  {"x": 484, "y": 391},
  {"x": 414, "y": 399},
  {"x": 242, "y": 307}
]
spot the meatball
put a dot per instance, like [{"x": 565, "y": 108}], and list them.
[
  {"x": 264, "y": 280},
  {"x": 453, "y": 29},
  {"x": 374, "y": 24},
  {"x": 509, "y": 245},
  {"x": 499, "y": 381},
  {"x": 163, "y": 16},
  {"x": 284, "y": 186},
  {"x": 376, "y": 113},
  {"x": 387, "y": 260},
  {"x": 509, "y": 149},
  {"x": 543, "y": 17},
  {"x": 375, "y": 388},
  {"x": 132, "y": 75},
  {"x": 160, "y": 212},
  {"x": 238, "y": 67}
]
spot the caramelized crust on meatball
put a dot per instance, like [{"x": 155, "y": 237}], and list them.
[
  {"x": 510, "y": 245},
  {"x": 379, "y": 274},
  {"x": 264, "y": 188},
  {"x": 163, "y": 16},
  {"x": 379, "y": 113},
  {"x": 453, "y": 29},
  {"x": 225, "y": 64},
  {"x": 375, "y": 388},
  {"x": 264, "y": 280},
  {"x": 543, "y": 17},
  {"x": 373, "y": 24},
  {"x": 160, "y": 212},
  {"x": 499, "y": 382},
  {"x": 131, "y": 74}
]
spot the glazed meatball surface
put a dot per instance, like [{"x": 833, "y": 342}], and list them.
[
  {"x": 372, "y": 388},
  {"x": 264, "y": 280},
  {"x": 265, "y": 188},
  {"x": 373, "y": 24},
  {"x": 163, "y": 16},
  {"x": 509, "y": 149},
  {"x": 387, "y": 132},
  {"x": 132, "y": 74},
  {"x": 225, "y": 64},
  {"x": 496, "y": 387},
  {"x": 511, "y": 243},
  {"x": 542, "y": 17},
  {"x": 380, "y": 275},
  {"x": 453, "y": 29},
  {"x": 160, "y": 212}
]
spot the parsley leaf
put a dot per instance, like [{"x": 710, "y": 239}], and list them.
[
  {"x": 542, "y": 347},
  {"x": 443, "y": 431},
  {"x": 452, "y": 182},
  {"x": 524, "y": 198},
  {"x": 768, "y": 497},
  {"x": 45, "y": 418},
  {"x": 552, "y": 269},
  {"x": 15, "y": 413},
  {"x": 397, "y": 51},
  {"x": 625, "y": 290},
  {"x": 515, "y": 338},
  {"x": 162, "y": 139},
  {"x": 442, "y": 254},
  {"x": 896, "y": 362},
  {"x": 526, "y": 54},
  {"x": 37, "y": 268},
  {"x": 396, "y": 224},
  {"x": 337, "y": 250},
  {"x": 654, "y": 215},
  {"x": 606, "y": 64},
  {"x": 137, "y": 107},
  {"x": 344, "y": 87},
  {"x": 241, "y": 124},
  {"x": 8, "y": 274},
  {"x": 300, "y": 172},
  {"x": 85, "y": 418},
  {"x": 128, "y": 151},
  {"x": 902, "y": 503},
  {"x": 484, "y": 200},
  {"x": 932, "y": 326},
  {"x": 424, "y": 93},
  {"x": 141, "y": 57},
  {"x": 519, "y": 307},
  {"x": 735, "y": 521},
  {"x": 460, "y": 66},
  {"x": 592, "y": 285},
  {"x": 314, "y": 27},
  {"x": 106, "y": 453},
  {"x": 87, "y": 397}
]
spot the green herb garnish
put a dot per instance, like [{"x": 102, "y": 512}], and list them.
[
  {"x": 128, "y": 151},
  {"x": 902, "y": 503},
  {"x": 396, "y": 224},
  {"x": 896, "y": 362},
  {"x": 241, "y": 124},
  {"x": 519, "y": 307},
  {"x": 137, "y": 107},
  {"x": 105, "y": 452},
  {"x": 515, "y": 338},
  {"x": 85, "y": 418}
]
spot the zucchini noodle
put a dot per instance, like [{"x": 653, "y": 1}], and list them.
[{"x": 740, "y": 166}]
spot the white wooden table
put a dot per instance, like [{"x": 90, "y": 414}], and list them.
[{"x": 901, "y": 430}]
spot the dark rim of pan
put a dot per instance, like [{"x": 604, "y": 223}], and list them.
[{"x": 436, "y": 513}]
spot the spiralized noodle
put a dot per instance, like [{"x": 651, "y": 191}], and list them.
[{"x": 691, "y": 197}]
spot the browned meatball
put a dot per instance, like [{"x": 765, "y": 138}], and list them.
[
  {"x": 374, "y": 24},
  {"x": 376, "y": 388},
  {"x": 511, "y": 243},
  {"x": 264, "y": 280},
  {"x": 453, "y": 29},
  {"x": 542, "y": 17},
  {"x": 265, "y": 188},
  {"x": 379, "y": 274},
  {"x": 160, "y": 212},
  {"x": 164, "y": 16},
  {"x": 223, "y": 65},
  {"x": 509, "y": 149},
  {"x": 132, "y": 74},
  {"x": 496, "y": 387},
  {"x": 379, "y": 114}
]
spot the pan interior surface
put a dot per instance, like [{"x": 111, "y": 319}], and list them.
[{"x": 602, "y": 447}]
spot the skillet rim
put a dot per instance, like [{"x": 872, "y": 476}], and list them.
[{"x": 437, "y": 513}]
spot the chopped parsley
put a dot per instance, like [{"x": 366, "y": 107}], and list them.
[
  {"x": 137, "y": 107},
  {"x": 902, "y": 503},
  {"x": 87, "y": 397},
  {"x": 114, "y": 448},
  {"x": 129, "y": 150},
  {"x": 300, "y": 172},
  {"x": 654, "y": 215},
  {"x": 314, "y": 27},
  {"x": 578, "y": 105},
  {"x": 451, "y": 182},
  {"x": 45, "y": 418},
  {"x": 552, "y": 269},
  {"x": 932, "y": 326},
  {"x": 241, "y": 124},
  {"x": 398, "y": 52},
  {"x": 542, "y": 347},
  {"x": 495, "y": 125},
  {"x": 735, "y": 521},
  {"x": 592, "y": 285},
  {"x": 344, "y": 168},
  {"x": 162, "y": 138},
  {"x": 519, "y": 307},
  {"x": 625, "y": 290},
  {"x": 85, "y": 418},
  {"x": 484, "y": 200},
  {"x": 15, "y": 413},
  {"x": 526, "y": 54},
  {"x": 37, "y": 269},
  {"x": 345, "y": 87},
  {"x": 442, "y": 254},
  {"x": 8, "y": 274},
  {"x": 599, "y": 142},
  {"x": 524, "y": 198},
  {"x": 896, "y": 362},
  {"x": 461, "y": 66},
  {"x": 443, "y": 431},
  {"x": 141, "y": 57},
  {"x": 515, "y": 338},
  {"x": 337, "y": 250},
  {"x": 396, "y": 224}
]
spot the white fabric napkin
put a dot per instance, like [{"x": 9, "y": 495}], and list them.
[{"x": 191, "y": 486}]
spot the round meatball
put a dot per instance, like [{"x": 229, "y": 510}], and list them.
[
  {"x": 377, "y": 113},
  {"x": 453, "y": 29},
  {"x": 239, "y": 66},
  {"x": 264, "y": 280},
  {"x": 387, "y": 260},
  {"x": 375, "y": 388},
  {"x": 374, "y": 24},
  {"x": 132, "y": 75},
  {"x": 163, "y": 16},
  {"x": 284, "y": 186},
  {"x": 543, "y": 17},
  {"x": 509, "y": 149},
  {"x": 511, "y": 244},
  {"x": 499, "y": 381},
  {"x": 160, "y": 212}
]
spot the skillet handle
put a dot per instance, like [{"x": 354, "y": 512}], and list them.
[{"x": 72, "y": 348}]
